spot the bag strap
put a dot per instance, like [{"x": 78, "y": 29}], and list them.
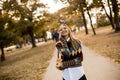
[{"x": 59, "y": 53}]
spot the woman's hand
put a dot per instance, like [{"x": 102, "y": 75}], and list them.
[
  {"x": 59, "y": 44},
  {"x": 59, "y": 64}
]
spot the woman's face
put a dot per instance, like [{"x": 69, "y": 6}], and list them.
[{"x": 64, "y": 31}]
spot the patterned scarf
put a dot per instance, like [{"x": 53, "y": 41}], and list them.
[{"x": 73, "y": 50}]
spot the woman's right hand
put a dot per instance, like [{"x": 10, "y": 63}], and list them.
[{"x": 59, "y": 44}]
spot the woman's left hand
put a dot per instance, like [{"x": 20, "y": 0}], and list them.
[{"x": 59, "y": 64}]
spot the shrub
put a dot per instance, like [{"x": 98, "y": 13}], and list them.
[{"x": 103, "y": 21}]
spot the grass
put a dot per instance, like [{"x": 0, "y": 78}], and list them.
[
  {"x": 27, "y": 64},
  {"x": 105, "y": 43},
  {"x": 31, "y": 63}
]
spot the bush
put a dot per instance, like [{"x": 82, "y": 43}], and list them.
[{"x": 103, "y": 21}]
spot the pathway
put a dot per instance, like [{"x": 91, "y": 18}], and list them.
[{"x": 96, "y": 68}]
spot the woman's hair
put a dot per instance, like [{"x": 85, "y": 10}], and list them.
[
  {"x": 74, "y": 41},
  {"x": 69, "y": 34}
]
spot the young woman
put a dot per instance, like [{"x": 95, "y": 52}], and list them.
[{"x": 70, "y": 55}]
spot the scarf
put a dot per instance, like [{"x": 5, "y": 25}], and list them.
[{"x": 73, "y": 50}]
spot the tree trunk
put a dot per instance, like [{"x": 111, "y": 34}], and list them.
[
  {"x": 90, "y": 20},
  {"x": 91, "y": 23},
  {"x": 84, "y": 20},
  {"x": 30, "y": 32},
  {"x": 112, "y": 23},
  {"x": 109, "y": 17},
  {"x": 2, "y": 52},
  {"x": 116, "y": 19}
]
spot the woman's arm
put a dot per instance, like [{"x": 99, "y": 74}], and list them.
[{"x": 75, "y": 62}]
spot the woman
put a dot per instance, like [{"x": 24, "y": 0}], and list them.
[{"x": 69, "y": 55}]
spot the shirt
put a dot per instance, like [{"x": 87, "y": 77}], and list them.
[{"x": 73, "y": 73}]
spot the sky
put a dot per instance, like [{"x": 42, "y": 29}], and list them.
[{"x": 53, "y": 6}]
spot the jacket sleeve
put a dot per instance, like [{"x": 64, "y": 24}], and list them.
[
  {"x": 75, "y": 62},
  {"x": 70, "y": 63},
  {"x": 59, "y": 47}
]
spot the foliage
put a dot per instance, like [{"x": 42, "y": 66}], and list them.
[
  {"x": 24, "y": 13},
  {"x": 6, "y": 36},
  {"x": 103, "y": 23},
  {"x": 18, "y": 17}
]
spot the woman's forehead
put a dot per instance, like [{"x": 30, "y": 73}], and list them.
[{"x": 63, "y": 26}]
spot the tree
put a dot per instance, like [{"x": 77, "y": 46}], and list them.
[
  {"x": 90, "y": 18},
  {"x": 2, "y": 37},
  {"x": 116, "y": 10},
  {"x": 6, "y": 37},
  {"x": 83, "y": 15},
  {"x": 77, "y": 5},
  {"x": 25, "y": 12},
  {"x": 30, "y": 17},
  {"x": 91, "y": 22},
  {"x": 13, "y": 15},
  {"x": 110, "y": 17}
]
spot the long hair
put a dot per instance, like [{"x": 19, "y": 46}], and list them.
[{"x": 74, "y": 42}]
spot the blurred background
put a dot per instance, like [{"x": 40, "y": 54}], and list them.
[{"x": 27, "y": 24}]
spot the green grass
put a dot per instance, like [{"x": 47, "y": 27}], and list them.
[{"x": 28, "y": 64}]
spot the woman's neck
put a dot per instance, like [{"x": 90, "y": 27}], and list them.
[{"x": 66, "y": 37}]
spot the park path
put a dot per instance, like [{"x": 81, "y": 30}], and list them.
[{"x": 96, "y": 67}]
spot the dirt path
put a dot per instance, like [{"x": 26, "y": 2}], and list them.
[
  {"x": 99, "y": 68},
  {"x": 96, "y": 68},
  {"x": 52, "y": 73}
]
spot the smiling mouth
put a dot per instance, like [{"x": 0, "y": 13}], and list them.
[{"x": 64, "y": 32}]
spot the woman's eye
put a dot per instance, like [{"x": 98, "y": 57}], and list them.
[
  {"x": 64, "y": 28},
  {"x": 60, "y": 29}
]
